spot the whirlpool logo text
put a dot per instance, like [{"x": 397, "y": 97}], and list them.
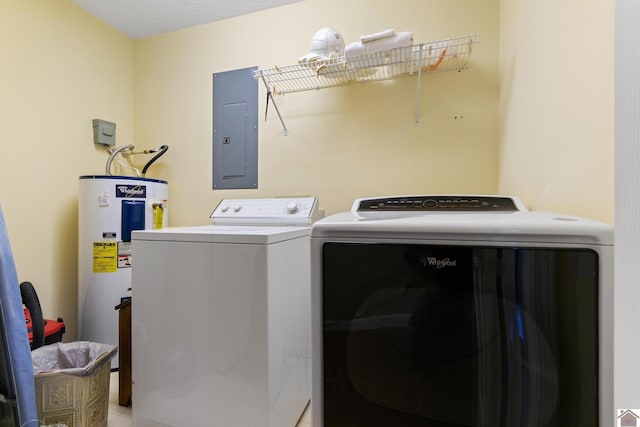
[
  {"x": 136, "y": 191},
  {"x": 438, "y": 263}
]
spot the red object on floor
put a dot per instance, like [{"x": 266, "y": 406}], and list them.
[{"x": 53, "y": 329}]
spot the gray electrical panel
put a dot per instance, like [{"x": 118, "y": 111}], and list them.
[
  {"x": 104, "y": 132},
  {"x": 235, "y": 129}
]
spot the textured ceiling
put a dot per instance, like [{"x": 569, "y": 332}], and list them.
[{"x": 142, "y": 18}]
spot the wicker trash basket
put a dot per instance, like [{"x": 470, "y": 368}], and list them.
[{"x": 72, "y": 383}]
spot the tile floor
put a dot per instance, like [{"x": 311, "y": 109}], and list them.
[{"x": 120, "y": 416}]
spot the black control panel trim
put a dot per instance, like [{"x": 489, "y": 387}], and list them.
[{"x": 438, "y": 203}]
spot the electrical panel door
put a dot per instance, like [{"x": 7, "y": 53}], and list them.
[{"x": 235, "y": 129}]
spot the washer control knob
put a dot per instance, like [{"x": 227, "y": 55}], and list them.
[
  {"x": 292, "y": 207},
  {"x": 237, "y": 208},
  {"x": 224, "y": 208}
]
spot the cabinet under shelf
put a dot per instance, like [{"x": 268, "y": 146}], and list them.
[{"x": 451, "y": 54}]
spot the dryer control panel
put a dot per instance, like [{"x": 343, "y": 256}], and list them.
[
  {"x": 440, "y": 202},
  {"x": 297, "y": 211}
]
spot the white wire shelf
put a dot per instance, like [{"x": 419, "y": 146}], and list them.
[
  {"x": 437, "y": 56},
  {"x": 415, "y": 60}
]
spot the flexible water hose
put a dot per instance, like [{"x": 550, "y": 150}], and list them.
[
  {"x": 115, "y": 153},
  {"x": 163, "y": 149}
]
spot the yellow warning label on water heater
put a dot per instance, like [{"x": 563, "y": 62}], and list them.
[{"x": 105, "y": 257}]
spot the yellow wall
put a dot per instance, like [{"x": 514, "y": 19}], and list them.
[
  {"x": 59, "y": 69},
  {"x": 556, "y": 105},
  {"x": 343, "y": 142},
  {"x": 549, "y": 100}
]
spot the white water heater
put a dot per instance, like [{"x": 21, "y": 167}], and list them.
[{"x": 109, "y": 209}]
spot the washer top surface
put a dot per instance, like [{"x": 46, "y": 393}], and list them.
[
  {"x": 457, "y": 218},
  {"x": 240, "y": 234}
]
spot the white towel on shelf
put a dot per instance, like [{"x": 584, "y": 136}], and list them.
[
  {"x": 399, "y": 39},
  {"x": 310, "y": 57},
  {"x": 377, "y": 36}
]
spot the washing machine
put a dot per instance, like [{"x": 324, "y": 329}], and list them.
[
  {"x": 220, "y": 317},
  {"x": 460, "y": 310}
]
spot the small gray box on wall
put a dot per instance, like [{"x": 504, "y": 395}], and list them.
[
  {"x": 235, "y": 129},
  {"x": 104, "y": 132}
]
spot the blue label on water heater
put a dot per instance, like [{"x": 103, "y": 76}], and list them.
[{"x": 131, "y": 191}]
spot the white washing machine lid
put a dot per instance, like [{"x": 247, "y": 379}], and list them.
[
  {"x": 454, "y": 221},
  {"x": 236, "y": 234}
]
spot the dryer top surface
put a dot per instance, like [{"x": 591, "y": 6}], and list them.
[{"x": 464, "y": 224}]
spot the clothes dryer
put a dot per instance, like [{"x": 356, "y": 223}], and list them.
[
  {"x": 451, "y": 311},
  {"x": 220, "y": 318}
]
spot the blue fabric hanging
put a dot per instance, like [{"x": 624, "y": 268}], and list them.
[{"x": 17, "y": 349}]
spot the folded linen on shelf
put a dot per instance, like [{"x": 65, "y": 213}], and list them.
[
  {"x": 357, "y": 49},
  {"x": 310, "y": 57},
  {"x": 314, "y": 60},
  {"x": 377, "y": 36}
]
